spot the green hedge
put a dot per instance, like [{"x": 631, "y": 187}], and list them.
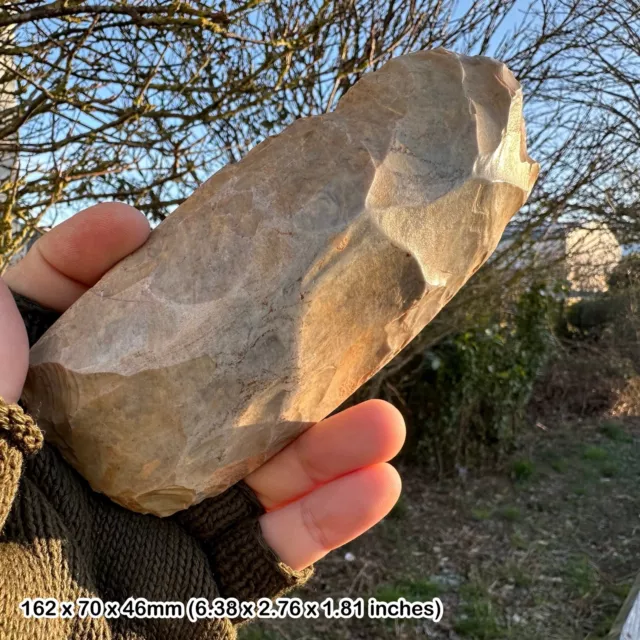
[{"x": 467, "y": 398}]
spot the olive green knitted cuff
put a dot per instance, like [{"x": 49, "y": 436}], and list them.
[
  {"x": 19, "y": 437},
  {"x": 215, "y": 516},
  {"x": 19, "y": 429},
  {"x": 244, "y": 565},
  {"x": 247, "y": 568},
  {"x": 37, "y": 319}
]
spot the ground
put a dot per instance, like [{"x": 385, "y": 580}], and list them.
[{"x": 547, "y": 548}]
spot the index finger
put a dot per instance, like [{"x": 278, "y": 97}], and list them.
[
  {"x": 14, "y": 347},
  {"x": 75, "y": 254}
]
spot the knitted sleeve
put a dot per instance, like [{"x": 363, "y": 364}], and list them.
[
  {"x": 19, "y": 436},
  {"x": 59, "y": 539}
]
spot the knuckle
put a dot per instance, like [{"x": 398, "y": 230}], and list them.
[{"x": 313, "y": 528}]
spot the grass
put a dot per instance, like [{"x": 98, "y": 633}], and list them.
[
  {"x": 515, "y": 573},
  {"x": 555, "y": 460},
  {"x": 559, "y": 465},
  {"x": 605, "y": 461},
  {"x": 615, "y": 432},
  {"x": 510, "y": 513},
  {"x": 582, "y": 576},
  {"x": 522, "y": 470},
  {"x": 610, "y": 469},
  {"x": 620, "y": 590},
  {"x": 254, "y": 632},
  {"x": 400, "y": 509},
  {"x": 518, "y": 542},
  {"x": 479, "y": 617},
  {"x": 579, "y": 490},
  {"x": 409, "y": 589},
  {"x": 480, "y": 513},
  {"x": 510, "y": 558},
  {"x": 594, "y": 454}
]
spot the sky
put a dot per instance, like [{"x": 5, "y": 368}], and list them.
[{"x": 59, "y": 215}]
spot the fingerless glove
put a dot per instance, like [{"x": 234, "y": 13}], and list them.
[{"x": 59, "y": 539}]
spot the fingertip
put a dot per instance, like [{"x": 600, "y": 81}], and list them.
[
  {"x": 14, "y": 347},
  {"x": 387, "y": 483},
  {"x": 356, "y": 438},
  {"x": 75, "y": 254},
  {"x": 383, "y": 416},
  {"x": 123, "y": 214},
  {"x": 379, "y": 487},
  {"x": 87, "y": 245},
  {"x": 384, "y": 409},
  {"x": 332, "y": 515}
]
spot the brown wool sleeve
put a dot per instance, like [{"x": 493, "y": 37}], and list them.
[
  {"x": 227, "y": 526},
  {"x": 19, "y": 436},
  {"x": 59, "y": 539}
]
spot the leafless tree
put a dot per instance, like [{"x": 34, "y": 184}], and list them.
[{"x": 140, "y": 102}]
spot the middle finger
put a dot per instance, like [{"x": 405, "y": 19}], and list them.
[{"x": 363, "y": 435}]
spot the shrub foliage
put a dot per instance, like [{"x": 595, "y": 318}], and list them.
[{"x": 474, "y": 387}]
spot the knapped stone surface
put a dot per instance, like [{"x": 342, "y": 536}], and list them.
[{"x": 284, "y": 283}]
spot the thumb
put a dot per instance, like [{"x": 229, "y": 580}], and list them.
[{"x": 14, "y": 347}]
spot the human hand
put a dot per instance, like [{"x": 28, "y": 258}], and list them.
[{"x": 323, "y": 490}]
